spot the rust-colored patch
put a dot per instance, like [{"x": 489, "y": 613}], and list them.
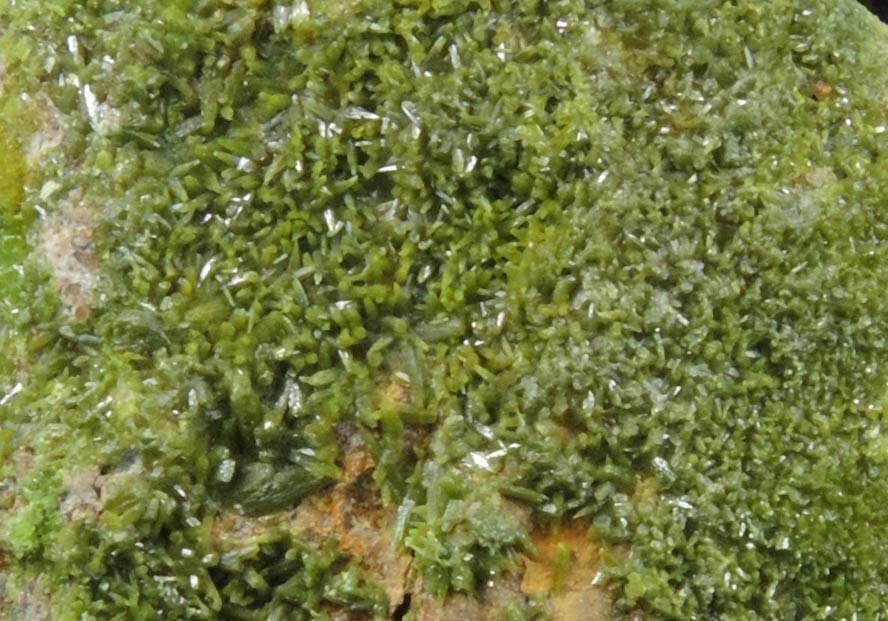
[
  {"x": 566, "y": 568},
  {"x": 823, "y": 91},
  {"x": 352, "y": 514}
]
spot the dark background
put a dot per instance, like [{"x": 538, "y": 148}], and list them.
[{"x": 879, "y": 7}]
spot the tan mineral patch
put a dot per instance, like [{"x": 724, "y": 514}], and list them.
[
  {"x": 397, "y": 390},
  {"x": 353, "y": 514},
  {"x": 823, "y": 91},
  {"x": 32, "y": 604},
  {"x": 490, "y": 604},
  {"x": 566, "y": 569},
  {"x": 350, "y": 513},
  {"x": 50, "y": 135},
  {"x": 66, "y": 242},
  {"x": 232, "y": 526},
  {"x": 81, "y": 495}
]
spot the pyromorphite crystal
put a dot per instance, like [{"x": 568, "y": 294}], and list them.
[{"x": 443, "y": 309}]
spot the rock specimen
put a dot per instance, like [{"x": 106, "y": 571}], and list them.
[{"x": 443, "y": 309}]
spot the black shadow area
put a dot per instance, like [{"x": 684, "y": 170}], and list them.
[{"x": 878, "y": 7}]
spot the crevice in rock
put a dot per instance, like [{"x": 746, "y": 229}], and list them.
[{"x": 403, "y": 608}]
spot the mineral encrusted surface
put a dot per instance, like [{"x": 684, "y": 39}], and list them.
[{"x": 443, "y": 310}]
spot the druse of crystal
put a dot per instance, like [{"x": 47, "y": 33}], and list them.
[{"x": 443, "y": 309}]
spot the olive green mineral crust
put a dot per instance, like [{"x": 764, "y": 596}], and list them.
[{"x": 368, "y": 309}]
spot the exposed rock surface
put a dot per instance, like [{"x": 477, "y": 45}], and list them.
[
  {"x": 567, "y": 569},
  {"x": 81, "y": 495},
  {"x": 66, "y": 243},
  {"x": 50, "y": 135},
  {"x": 31, "y": 603},
  {"x": 490, "y": 603},
  {"x": 353, "y": 515}
]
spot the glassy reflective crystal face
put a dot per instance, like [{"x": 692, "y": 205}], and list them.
[{"x": 443, "y": 309}]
